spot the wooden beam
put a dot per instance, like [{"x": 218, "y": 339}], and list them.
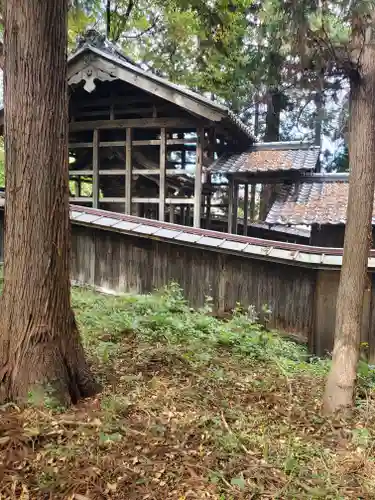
[
  {"x": 187, "y": 215},
  {"x": 148, "y": 142},
  {"x": 235, "y": 208},
  {"x": 171, "y": 214},
  {"x": 73, "y": 173},
  {"x": 177, "y": 123},
  {"x": 252, "y": 202},
  {"x": 211, "y": 147},
  {"x": 79, "y": 145},
  {"x": 145, "y": 200},
  {"x": 230, "y": 204},
  {"x": 198, "y": 178},
  {"x": 246, "y": 209},
  {"x": 158, "y": 87},
  {"x": 114, "y": 199},
  {"x": 168, "y": 201},
  {"x": 114, "y": 171},
  {"x": 81, "y": 199},
  {"x": 128, "y": 175},
  {"x": 163, "y": 161},
  {"x": 156, "y": 171},
  {"x": 120, "y": 100},
  {"x": 95, "y": 168}
]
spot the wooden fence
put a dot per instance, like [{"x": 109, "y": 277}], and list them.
[{"x": 298, "y": 284}]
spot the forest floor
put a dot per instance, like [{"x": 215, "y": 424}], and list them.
[{"x": 192, "y": 408}]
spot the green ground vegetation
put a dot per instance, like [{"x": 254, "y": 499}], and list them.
[{"x": 193, "y": 407}]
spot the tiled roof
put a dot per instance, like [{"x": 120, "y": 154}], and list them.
[
  {"x": 271, "y": 157},
  {"x": 311, "y": 203},
  {"x": 257, "y": 248},
  {"x": 205, "y": 239}
]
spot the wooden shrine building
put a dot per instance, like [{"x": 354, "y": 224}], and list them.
[
  {"x": 138, "y": 143},
  {"x": 141, "y": 145}
]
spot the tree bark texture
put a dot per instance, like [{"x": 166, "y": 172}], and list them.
[
  {"x": 39, "y": 341},
  {"x": 340, "y": 385}
]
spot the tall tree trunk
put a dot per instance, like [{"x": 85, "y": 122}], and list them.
[
  {"x": 341, "y": 380},
  {"x": 40, "y": 348},
  {"x": 108, "y": 18},
  {"x": 319, "y": 115},
  {"x": 272, "y": 134},
  {"x": 274, "y": 108}
]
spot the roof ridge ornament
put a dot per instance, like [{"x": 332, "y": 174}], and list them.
[{"x": 91, "y": 37}]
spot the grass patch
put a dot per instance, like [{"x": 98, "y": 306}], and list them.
[{"x": 193, "y": 407}]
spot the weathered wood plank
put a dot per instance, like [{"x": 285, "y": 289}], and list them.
[
  {"x": 73, "y": 173},
  {"x": 128, "y": 175},
  {"x": 126, "y": 263},
  {"x": 149, "y": 171},
  {"x": 168, "y": 201},
  {"x": 95, "y": 168},
  {"x": 162, "y": 180},
  {"x": 81, "y": 199},
  {"x": 246, "y": 209},
  {"x": 252, "y": 202},
  {"x": 149, "y": 142},
  {"x": 230, "y": 204},
  {"x": 160, "y": 89},
  {"x": 198, "y": 178},
  {"x": 177, "y": 123}
]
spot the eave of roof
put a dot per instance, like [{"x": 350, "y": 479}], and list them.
[
  {"x": 289, "y": 253},
  {"x": 110, "y": 53},
  {"x": 256, "y": 248},
  {"x": 269, "y": 158},
  {"x": 319, "y": 199}
]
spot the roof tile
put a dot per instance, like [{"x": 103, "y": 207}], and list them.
[
  {"x": 311, "y": 203},
  {"x": 268, "y": 160}
]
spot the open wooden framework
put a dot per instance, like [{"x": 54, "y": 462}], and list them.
[{"x": 139, "y": 144}]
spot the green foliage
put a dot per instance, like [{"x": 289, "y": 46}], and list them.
[
  {"x": 245, "y": 420},
  {"x": 166, "y": 317}
]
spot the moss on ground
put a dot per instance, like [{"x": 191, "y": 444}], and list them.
[{"x": 193, "y": 408}]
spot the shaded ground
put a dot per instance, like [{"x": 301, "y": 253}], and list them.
[{"x": 193, "y": 408}]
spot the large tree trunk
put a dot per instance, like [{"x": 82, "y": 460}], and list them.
[
  {"x": 273, "y": 116},
  {"x": 272, "y": 134},
  {"x": 40, "y": 348},
  {"x": 341, "y": 380}
]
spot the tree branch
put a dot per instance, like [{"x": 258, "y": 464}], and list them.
[{"x": 147, "y": 30}]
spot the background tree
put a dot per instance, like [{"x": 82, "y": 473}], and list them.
[
  {"x": 40, "y": 347},
  {"x": 335, "y": 38}
]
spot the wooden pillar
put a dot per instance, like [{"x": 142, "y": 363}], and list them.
[
  {"x": 187, "y": 215},
  {"x": 252, "y": 202},
  {"x": 210, "y": 159},
  {"x": 128, "y": 171},
  {"x": 95, "y": 169},
  {"x": 171, "y": 214},
  {"x": 233, "y": 206},
  {"x": 198, "y": 178},
  {"x": 208, "y": 210},
  {"x": 162, "y": 166},
  {"x": 183, "y": 159},
  {"x": 246, "y": 209},
  {"x": 230, "y": 205},
  {"x": 77, "y": 186}
]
